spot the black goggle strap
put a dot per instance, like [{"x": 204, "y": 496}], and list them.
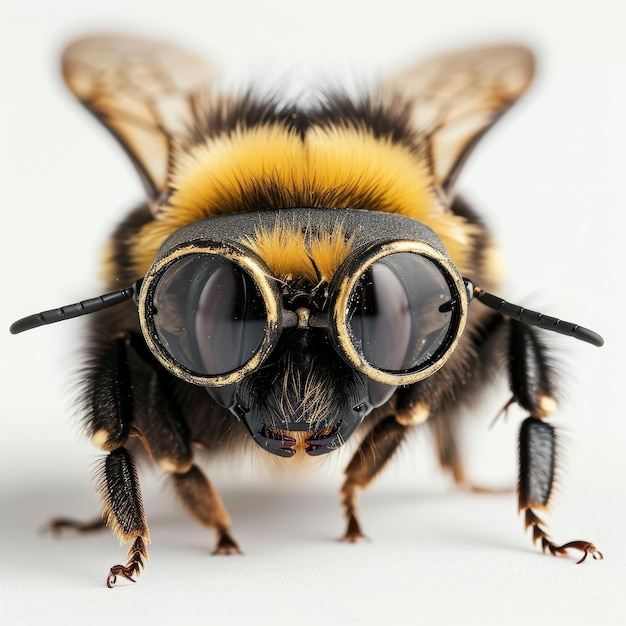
[{"x": 533, "y": 318}]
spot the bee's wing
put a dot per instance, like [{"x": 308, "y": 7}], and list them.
[
  {"x": 145, "y": 92},
  {"x": 455, "y": 98}
]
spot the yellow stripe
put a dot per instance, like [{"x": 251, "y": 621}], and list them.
[{"x": 333, "y": 167}]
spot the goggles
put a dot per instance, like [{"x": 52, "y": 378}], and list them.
[{"x": 212, "y": 312}]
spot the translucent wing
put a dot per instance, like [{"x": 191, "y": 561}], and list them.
[
  {"x": 455, "y": 98},
  {"x": 145, "y": 92}
]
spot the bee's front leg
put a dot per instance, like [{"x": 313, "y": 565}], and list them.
[
  {"x": 114, "y": 383},
  {"x": 531, "y": 381},
  {"x": 375, "y": 450}
]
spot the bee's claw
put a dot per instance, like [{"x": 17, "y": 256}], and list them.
[{"x": 585, "y": 547}]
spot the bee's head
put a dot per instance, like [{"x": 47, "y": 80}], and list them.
[{"x": 302, "y": 359}]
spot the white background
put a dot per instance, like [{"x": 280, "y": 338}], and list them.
[{"x": 549, "y": 180}]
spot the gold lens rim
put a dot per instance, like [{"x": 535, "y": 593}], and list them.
[
  {"x": 261, "y": 275},
  {"x": 343, "y": 291}
]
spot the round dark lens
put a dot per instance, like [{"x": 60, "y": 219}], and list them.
[
  {"x": 208, "y": 314},
  {"x": 400, "y": 312}
]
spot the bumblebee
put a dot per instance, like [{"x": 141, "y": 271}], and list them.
[{"x": 298, "y": 273}]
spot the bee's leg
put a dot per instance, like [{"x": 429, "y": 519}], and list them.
[
  {"x": 413, "y": 406},
  {"x": 447, "y": 448},
  {"x": 114, "y": 388},
  {"x": 203, "y": 502},
  {"x": 58, "y": 525},
  {"x": 439, "y": 398},
  {"x": 531, "y": 382},
  {"x": 375, "y": 450}
]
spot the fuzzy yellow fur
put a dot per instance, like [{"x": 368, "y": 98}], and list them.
[
  {"x": 288, "y": 251},
  {"x": 331, "y": 167}
]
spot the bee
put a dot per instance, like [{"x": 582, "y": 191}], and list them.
[{"x": 298, "y": 274}]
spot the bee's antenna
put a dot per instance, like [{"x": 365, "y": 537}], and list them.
[
  {"x": 72, "y": 310},
  {"x": 532, "y": 318}
]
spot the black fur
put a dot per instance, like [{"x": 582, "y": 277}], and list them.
[
  {"x": 120, "y": 256},
  {"x": 332, "y": 110}
]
